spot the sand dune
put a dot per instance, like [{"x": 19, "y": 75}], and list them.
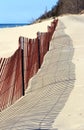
[
  {"x": 54, "y": 99},
  {"x": 71, "y": 117},
  {"x": 9, "y": 36}
]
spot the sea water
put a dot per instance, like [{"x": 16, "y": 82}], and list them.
[{"x": 12, "y": 25}]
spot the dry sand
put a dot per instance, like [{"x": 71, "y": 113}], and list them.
[
  {"x": 9, "y": 36},
  {"x": 72, "y": 115}
]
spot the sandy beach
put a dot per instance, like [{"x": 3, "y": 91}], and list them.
[
  {"x": 9, "y": 36},
  {"x": 54, "y": 99}
]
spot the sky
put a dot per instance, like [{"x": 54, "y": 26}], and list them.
[{"x": 23, "y": 11}]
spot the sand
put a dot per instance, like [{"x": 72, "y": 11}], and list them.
[
  {"x": 31, "y": 110},
  {"x": 72, "y": 115},
  {"x": 9, "y": 36}
]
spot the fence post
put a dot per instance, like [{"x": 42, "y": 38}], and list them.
[
  {"x": 38, "y": 36},
  {"x": 22, "y": 63}
]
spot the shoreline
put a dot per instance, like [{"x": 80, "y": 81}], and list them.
[{"x": 12, "y": 25}]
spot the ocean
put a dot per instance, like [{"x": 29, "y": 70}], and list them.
[{"x": 12, "y": 25}]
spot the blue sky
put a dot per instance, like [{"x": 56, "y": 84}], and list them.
[{"x": 23, "y": 11}]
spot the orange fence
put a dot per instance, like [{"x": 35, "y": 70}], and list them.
[
  {"x": 16, "y": 71},
  {"x": 10, "y": 79}
]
